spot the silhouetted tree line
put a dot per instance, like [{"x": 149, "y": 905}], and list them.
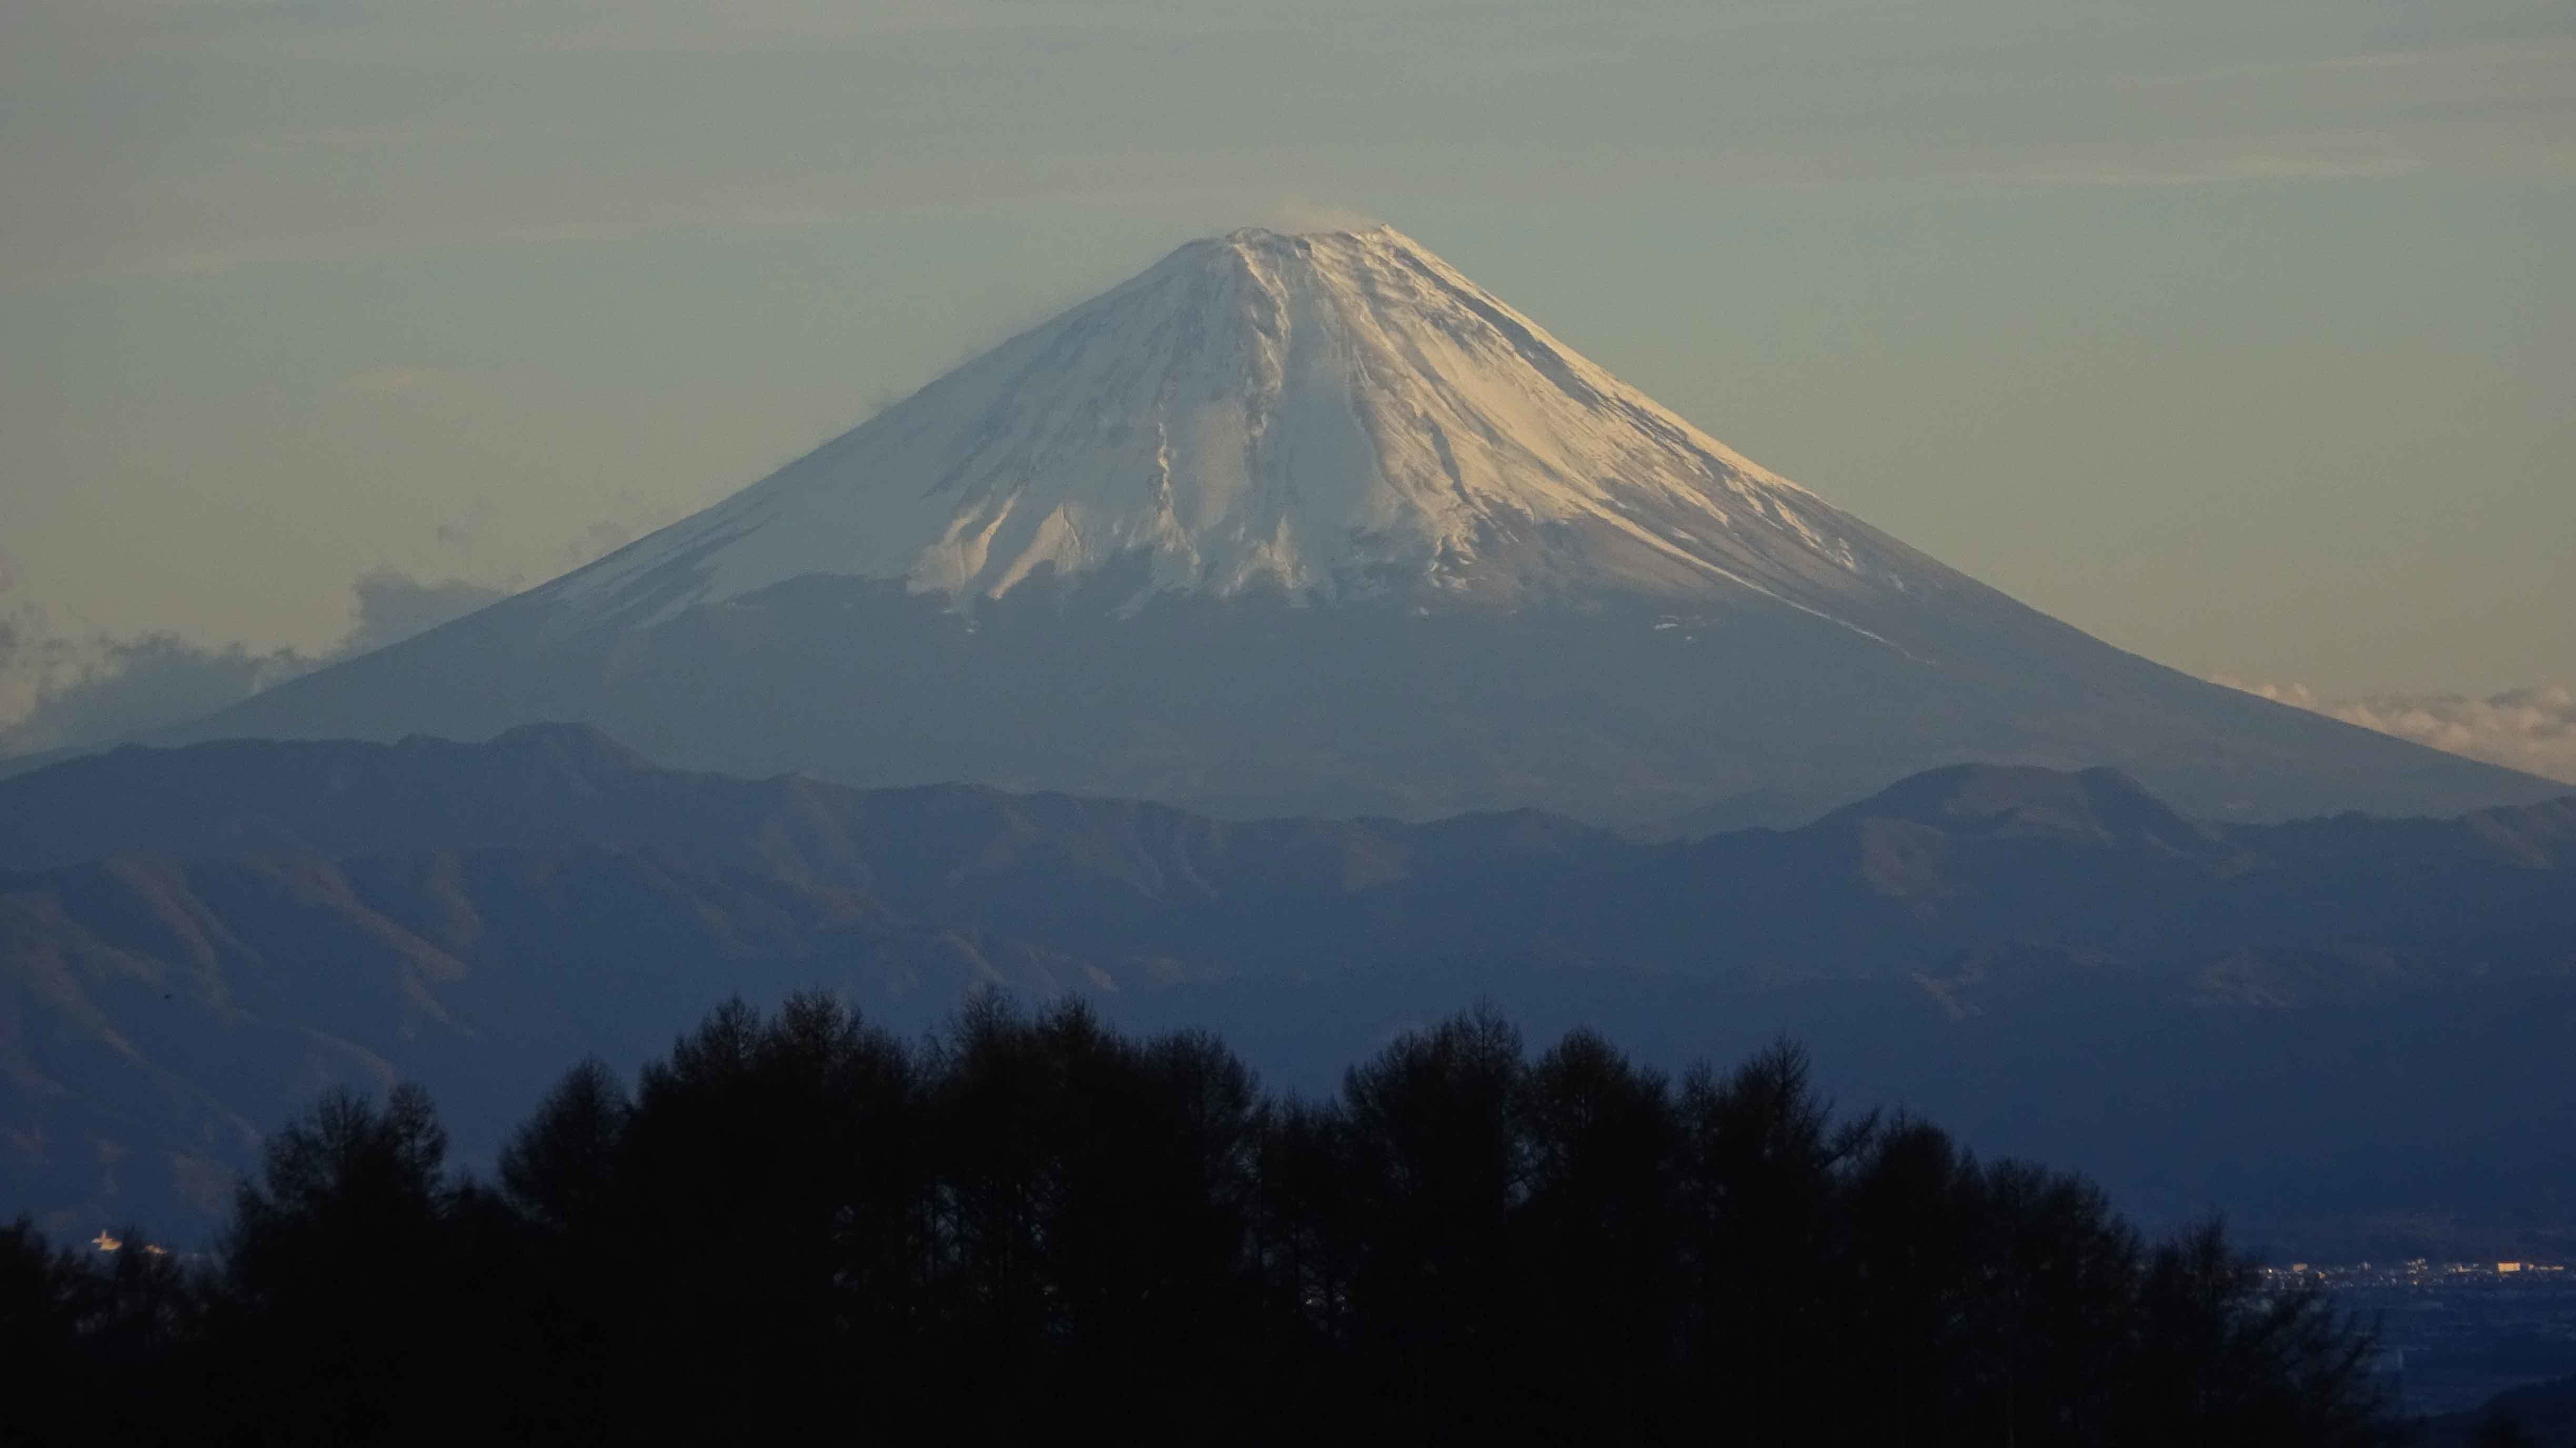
[{"x": 801, "y": 1226}]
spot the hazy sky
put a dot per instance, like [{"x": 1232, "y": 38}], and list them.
[{"x": 2242, "y": 334}]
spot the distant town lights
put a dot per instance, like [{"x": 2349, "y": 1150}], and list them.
[{"x": 107, "y": 1243}]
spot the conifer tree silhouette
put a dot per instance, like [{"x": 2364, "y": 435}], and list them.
[{"x": 1032, "y": 1221}]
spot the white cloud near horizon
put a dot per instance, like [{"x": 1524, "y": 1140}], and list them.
[
  {"x": 58, "y": 692},
  {"x": 2531, "y": 729}
]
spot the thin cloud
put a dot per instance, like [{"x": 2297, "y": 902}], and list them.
[
  {"x": 2532, "y": 729},
  {"x": 2012, "y": 92},
  {"x": 110, "y": 689},
  {"x": 57, "y": 693},
  {"x": 598, "y": 540},
  {"x": 1298, "y": 214},
  {"x": 393, "y": 606},
  {"x": 2201, "y": 164}
]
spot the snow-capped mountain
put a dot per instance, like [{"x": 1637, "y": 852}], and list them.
[
  {"x": 1314, "y": 524},
  {"x": 1329, "y": 416}
]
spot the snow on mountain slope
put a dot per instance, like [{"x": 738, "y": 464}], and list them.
[
  {"x": 1315, "y": 525},
  {"x": 1332, "y": 415}
]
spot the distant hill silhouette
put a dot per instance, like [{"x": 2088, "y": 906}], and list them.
[
  {"x": 2303, "y": 1021},
  {"x": 2540, "y": 1416}
]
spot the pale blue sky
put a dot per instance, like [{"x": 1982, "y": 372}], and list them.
[{"x": 2243, "y": 335}]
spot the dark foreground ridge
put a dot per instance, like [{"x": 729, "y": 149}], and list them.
[{"x": 1032, "y": 1225}]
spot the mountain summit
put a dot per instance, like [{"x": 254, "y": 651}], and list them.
[
  {"x": 1313, "y": 524},
  {"x": 1332, "y": 415}
]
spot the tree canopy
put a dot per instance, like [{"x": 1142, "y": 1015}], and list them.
[{"x": 797, "y": 1223}]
